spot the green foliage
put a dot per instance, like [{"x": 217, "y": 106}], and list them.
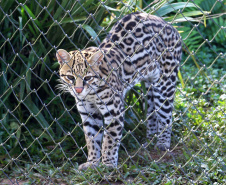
[
  {"x": 213, "y": 31},
  {"x": 216, "y": 21}
]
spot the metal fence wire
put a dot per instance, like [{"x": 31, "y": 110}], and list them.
[{"x": 42, "y": 140}]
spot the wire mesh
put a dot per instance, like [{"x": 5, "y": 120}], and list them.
[{"x": 41, "y": 132}]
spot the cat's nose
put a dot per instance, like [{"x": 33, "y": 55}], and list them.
[{"x": 79, "y": 89}]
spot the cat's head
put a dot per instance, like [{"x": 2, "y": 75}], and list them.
[{"x": 79, "y": 71}]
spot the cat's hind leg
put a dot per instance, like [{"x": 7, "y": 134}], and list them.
[
  {"x": 152, "y": 126},
  {"x": 163, "y": 104}
]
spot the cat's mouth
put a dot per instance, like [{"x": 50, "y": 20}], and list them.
[
  {"x": 77, "y": 91},
  {"x": 81, "y": 92}
]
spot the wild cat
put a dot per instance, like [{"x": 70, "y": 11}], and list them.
[{"x": 139, "y": 47}]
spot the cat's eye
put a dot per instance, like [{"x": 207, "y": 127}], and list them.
[
  {"x": 87, "y": 78},
  {"x": 70, "y": 77}
]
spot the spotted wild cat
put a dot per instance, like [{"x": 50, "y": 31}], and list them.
[{"x": 139, "y": 47}]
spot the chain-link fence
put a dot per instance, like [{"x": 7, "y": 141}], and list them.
[{"x": 42, "y": 140}]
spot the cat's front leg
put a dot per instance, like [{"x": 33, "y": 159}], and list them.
[
  {"x": 92, "y": 123},
  {"x": 113, "y": 119}
]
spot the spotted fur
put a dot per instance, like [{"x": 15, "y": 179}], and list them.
[{"x": 139, "y": 47}]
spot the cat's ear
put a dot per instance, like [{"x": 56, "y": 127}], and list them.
[
  {"x": 97, "y": 58},
  {"x": 62, "y": 56}
]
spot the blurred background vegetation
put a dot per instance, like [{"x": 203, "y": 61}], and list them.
[{"x": 34, "y": 117}]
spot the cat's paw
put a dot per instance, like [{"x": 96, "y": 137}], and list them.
[
  {"x": 86, "y": 165},
  {"x": 162, "y": 146},
  {"x": 110, "y": 164}
]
